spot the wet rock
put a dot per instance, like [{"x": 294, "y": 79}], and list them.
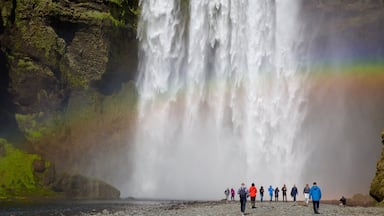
[{"x": 81, "y": 187}]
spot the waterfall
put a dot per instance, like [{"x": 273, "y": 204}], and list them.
[{"x": 220, "y": 99}]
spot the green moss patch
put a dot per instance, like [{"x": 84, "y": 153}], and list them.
[
  {"x": 17, "y": 178},
  {"x": 102, "y": 16},
  {"x": 31, "y": 126}
]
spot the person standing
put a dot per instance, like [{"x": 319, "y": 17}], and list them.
[
  {"x": 284, "y": 189},
  {"x": 294, "y": 193},
  {"x": 270, "y": 190},
  {"x": 315, "y": 195},
  {"x": 261, "y": 193},
  {"x": 306, "y": 194},
  {"x": 343, "y": 201},
  {"x": 232, "y": 194},
  {"x": 252, "y": 194},
  {"x": 226, "y": 192},
  {"x": 243, "y": 194},
  {"x": 277, "y": 194}
]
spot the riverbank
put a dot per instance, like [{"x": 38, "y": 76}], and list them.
[{"x": 180, "y": 208}]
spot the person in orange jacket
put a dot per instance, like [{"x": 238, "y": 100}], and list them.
[{"x": 252, "y": 194}]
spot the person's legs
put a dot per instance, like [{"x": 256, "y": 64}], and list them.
[
  {"x": 253, "y": 199},
  {"x": 316, "y": 207},
  {"x": 243, "y": 201},
  {"x": 242, "y": 205}
]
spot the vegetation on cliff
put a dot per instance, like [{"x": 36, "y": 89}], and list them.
[{"x": 22, "y": 174}]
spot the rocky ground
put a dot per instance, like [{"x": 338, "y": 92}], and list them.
[
  {"x": 144, "y": 208},
  {"x": 233, "y": 208}
]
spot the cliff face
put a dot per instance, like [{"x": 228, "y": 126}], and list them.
[
  {"x": 63, "y": 64},
  {"x": 49, "y": 49}
]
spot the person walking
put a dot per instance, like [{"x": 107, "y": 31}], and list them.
[
  {"x": 243, "y": 194},
  {"x": 232, "y": 194},
  {"x": 277, "y": 194},
  {"x": 252, "y": 194},
  {"x": 315, "y": 195},
  {"x": 261, "y": 193},
  {"x": 270, "y": 190},
  {"x": 226, "y": 192},
  {"x": 306, "y": 194},
  {"x": 284, "y": 189},
  {"x": 294, "y": 193}
]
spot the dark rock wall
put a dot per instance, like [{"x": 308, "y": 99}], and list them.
[{"x": 62, "y": 64}]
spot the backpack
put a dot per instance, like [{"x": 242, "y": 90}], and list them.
[{"x": 243, "y": 192}]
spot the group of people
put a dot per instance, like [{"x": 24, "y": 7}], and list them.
[
  {"x": 294, "y": 193},
  {"x": 313, "y": 193}
]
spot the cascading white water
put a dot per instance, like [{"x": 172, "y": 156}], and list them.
[{"x": 219, "y": 97}]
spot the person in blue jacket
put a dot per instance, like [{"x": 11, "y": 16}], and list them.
[
  {"x": 315, "y": 195},
  {"x": 270, "y": 190}
]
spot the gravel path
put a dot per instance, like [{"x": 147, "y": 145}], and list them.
[
  {"x": 173, "y": 208},
  {"x": 233, "y": 208}
]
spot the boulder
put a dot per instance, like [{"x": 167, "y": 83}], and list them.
[{"x": 81, "y": 187}]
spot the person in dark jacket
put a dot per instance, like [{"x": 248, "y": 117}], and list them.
[
  {"x": 277, "y": 194},
  {"x": 294, "y": 193},
  {"x": 306, "y": 194},
  {"x": 261, "y": 193},
  {"x": 284, "y": 189},
  {"x": 243, "y": 194},
  {"x": 315, "y": 195},
  {"x": 343, "y": 201}
]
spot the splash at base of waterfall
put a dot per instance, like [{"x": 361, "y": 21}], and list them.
[{"x": 220, "y": 97}]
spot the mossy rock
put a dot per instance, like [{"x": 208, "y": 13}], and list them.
[
  {"x": 18, "y": 178},
  {"x": 377, "y": 185}
]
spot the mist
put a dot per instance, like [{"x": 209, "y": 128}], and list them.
[{"x": 274, "y": 100}]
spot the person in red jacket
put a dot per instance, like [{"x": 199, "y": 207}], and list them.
[{"x": 252, "y": 194}]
